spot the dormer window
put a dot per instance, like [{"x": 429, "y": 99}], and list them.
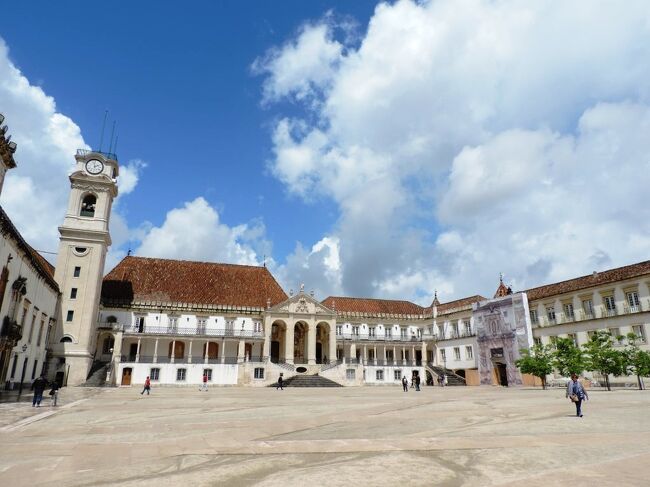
[{"x": 88, "y": 205}]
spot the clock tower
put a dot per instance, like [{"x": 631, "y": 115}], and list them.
[{"x": 83, "y": 244}]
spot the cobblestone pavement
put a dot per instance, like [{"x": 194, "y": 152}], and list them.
[{"x": 321, "y": 437}]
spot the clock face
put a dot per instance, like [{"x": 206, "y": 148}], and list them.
[{"x": 94, "y": 166}]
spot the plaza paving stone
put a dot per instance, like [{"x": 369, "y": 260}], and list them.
[{"x": 320, "y": 437}]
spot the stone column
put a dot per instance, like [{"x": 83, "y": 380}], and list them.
[
  {"x": 223, "y": 350},
  {"x": 385, "y": 357},
  {"x": 403, "y": 355},
  {"x": 137, "y": 352},
  {"x": 413, "y": 355},
  {"x": 331, "y": 353},
  {"x": 266, "y": 346},
  {"x": 374, "y": 355},
  {"x": 288, "y": 343},
  {"x": 424, "y": 352},
  {"x": 394, "y": 355},
  {"x": 240, "y": 351},
  {"x": 173, "y": 354},
  {"x": 189, "y": 353},
  {"x": 365, "y": 354},
  {"x": 311, "y": 344},
  {"x": 117, "y": 355},
  {"x": 205, "y": 351},
  {"x": 155, "y": 351}
]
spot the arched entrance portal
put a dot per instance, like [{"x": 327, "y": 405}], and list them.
[
  {"x": 323, "y": 352},
  {"x": 300, "y": 343},
  {"x": 278, "y": 338}
]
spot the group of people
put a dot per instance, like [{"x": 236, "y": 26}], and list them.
[
  {"x": 415, "y": 382},
  {"x": 39, "y": 386}
]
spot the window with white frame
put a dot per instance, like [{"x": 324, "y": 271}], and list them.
[
  {"x": 350, "y": 374},
  {"x": 615, "y": 332},
  {"x": 207, "y": 372},
  {"x": 397, "y": 374},
  {"x": 533, "y": 317},
  {"x": 469, "y": 352},
  {"x": 537, "y": 341},
  {"x": 456, "y": 353},
  {"x": 610, "y": 304},
  {"x": 588, "y": 308},
  {"x": 339, "y": 329},
  {"x": 574, "y": 338},
  {"x": 454, "y": 330},
  {"x": 259, "y": 372},
  {"x": 468, "y": 327},
  {"x": 639, "y": 331},
  {"x": 180, "y": 374},
  {"x": 154, "y": 374},
  {"x": 403, "y": 332},
  {"x": 200, "y": 324},
  {"x": 257, "y": 326},
  {"x": 550, "y": 314},
  {"x": 632, "y": 298},
  {"x": 173, "y": 322},
  {"x": 568, "y": 311},
  {"x": 371, "y": 331},
  {"x": 355, "y": 330},
  {"x": 380, "y": 375}
]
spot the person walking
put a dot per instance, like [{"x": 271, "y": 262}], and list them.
[
  {"x": 204, "y": 386},
  {"x": 417, "y": 382},
  {"x": 147, "y": 386},
  {"x": 38, "y": 386},
  {"x": 576, "y": 392},
  {"x": 54, "y": 393},
  {"x": 280, "y": 383},
  {"x": 405, "y": 384}
]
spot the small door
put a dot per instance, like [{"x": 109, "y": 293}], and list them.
[
  {"x": 248, "y": 350},
  {"x": 502, "y": 374},
  {"x": 126, "y": 376}
]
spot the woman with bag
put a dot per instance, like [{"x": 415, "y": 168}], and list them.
[{"x": 576, "y": 392}]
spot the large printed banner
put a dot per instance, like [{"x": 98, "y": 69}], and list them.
[{"x": 502, "y": 329}]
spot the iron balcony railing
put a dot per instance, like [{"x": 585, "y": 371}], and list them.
[
  {"x": 187, "y": 331},
  {"x": 372, "y": 338},
  {"x": 108, "y": 155},
  {"x": 164, "y": 359}
]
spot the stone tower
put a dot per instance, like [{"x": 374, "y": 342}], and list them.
[{"x": 84, "y": 242}]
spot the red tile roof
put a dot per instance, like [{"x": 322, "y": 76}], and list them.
[
  {"x": 141, "y": 280},
  {"x": 372, "y": 307},
  {"x": 591, "y": 280},
  {"x": 459, "y": 304}
]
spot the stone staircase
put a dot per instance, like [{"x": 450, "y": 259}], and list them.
[
  {"x": 452, "y": 378},
  {"x": 308, "y": 381},
  {"x": 97, "y": 375}
]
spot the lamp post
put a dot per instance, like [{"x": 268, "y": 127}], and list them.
[{"x": 22, "y": 375}]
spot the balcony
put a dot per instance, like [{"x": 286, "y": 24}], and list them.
[
  {"x": 607, "y": 313},
  {"x": 368, "y": 338},
  {"x": 180, "y": 331}
]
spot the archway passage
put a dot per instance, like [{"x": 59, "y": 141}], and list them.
[
  {"x": 300, "y": 343},
  {"x": 278, "y": 337},
  {"x": 323, "y": 352}
]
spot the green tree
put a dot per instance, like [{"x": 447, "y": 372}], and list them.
[
  {"x": 537, "y": 361},
  {"x": 568, "y": 358},
  {"x": 602, "y": 357},
  {"x": 637, "y": 361}
]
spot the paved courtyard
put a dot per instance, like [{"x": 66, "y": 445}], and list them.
[{"x": 347, "y": 436}]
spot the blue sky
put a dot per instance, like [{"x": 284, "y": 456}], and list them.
[
  {"x": 385, "y": 150},
  {"x": 178, "y": 81}
]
